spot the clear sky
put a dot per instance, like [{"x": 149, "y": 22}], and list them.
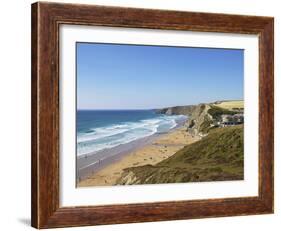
[{"x": 111, "y": 76}]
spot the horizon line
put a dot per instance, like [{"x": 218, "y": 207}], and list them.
[{"x": 104, "y": 109}]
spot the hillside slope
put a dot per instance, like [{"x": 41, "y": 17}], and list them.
[
  {"x": 236, "y": 105},
  {"x": 218, "y": 156}
]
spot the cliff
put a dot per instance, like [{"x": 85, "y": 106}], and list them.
[
  {"x": 178, "y": 110},
  {"x": 199, "y": 120}
]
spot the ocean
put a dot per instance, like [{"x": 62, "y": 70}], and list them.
[{"x": 98, "y": 130}]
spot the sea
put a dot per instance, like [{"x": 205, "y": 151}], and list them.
[{"x": 98, "y": 130}]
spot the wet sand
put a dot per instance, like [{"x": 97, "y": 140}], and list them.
[{"x": 147, "y": 152}]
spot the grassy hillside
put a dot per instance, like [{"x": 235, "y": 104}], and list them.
[
  {"x": 232, "y": 104},
  {"x": 216, "y": 112},
  {"x": 218, "y": 156}
]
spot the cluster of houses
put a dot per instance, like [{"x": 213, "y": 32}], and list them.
[{"x": 230, "y": 120}]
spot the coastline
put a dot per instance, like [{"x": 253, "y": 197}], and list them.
[
  {"x": 90, "y": 163},
  {"x": 149, "y": 150}
]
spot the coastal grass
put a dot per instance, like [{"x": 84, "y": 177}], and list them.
[
  {"x": 231, "y": 105},
  {"x": 216, "y": 157},
  {"x": 216, "y": 112}
]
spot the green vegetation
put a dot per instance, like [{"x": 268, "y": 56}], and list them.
[
  {"x": 218, "y": 156},
  {"x": 216, "y": 112}
]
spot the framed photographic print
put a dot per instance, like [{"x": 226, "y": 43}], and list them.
[{"x": 148, "y": 115}]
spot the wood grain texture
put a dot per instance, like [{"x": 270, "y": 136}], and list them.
[{"x": 46, "y": 19}]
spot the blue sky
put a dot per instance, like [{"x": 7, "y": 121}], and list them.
[{"x": 111, "y": 76}]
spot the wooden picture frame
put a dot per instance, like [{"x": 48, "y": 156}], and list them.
[{"x": 46, "y": 19}]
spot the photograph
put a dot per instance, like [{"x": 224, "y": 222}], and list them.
[
  {"x": 151, "y": 114},
  {"x": 147, "y": 114}
]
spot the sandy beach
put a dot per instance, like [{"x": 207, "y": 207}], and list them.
[{"x": 161, "y": 148}]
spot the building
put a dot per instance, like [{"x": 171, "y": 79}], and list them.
[{"x": 228, "y": 120}]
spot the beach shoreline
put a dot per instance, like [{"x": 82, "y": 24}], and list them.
[
  {"x": 90, "y": 163},
  {"x": 149, "y": 150}
]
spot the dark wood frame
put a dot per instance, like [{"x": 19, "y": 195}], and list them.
[{"x": 46, "y": 19}]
